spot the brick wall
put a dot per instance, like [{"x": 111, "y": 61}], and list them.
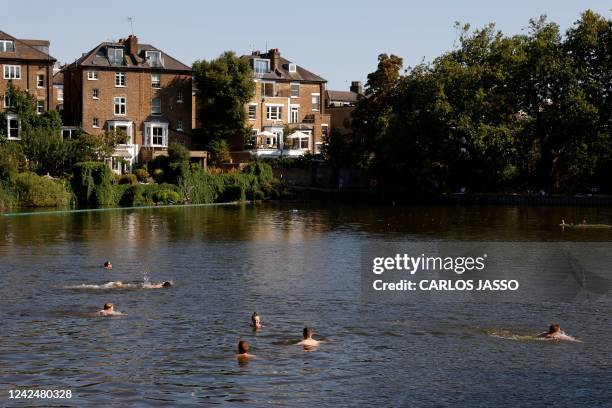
[{"x": 28, "y": 81}]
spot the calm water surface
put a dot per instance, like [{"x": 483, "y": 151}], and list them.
[{"x": 295, "y": 265}]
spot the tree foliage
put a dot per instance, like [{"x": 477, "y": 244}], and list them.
[
  {"x": 223, "y": 85},
  {"x": 498, "y": 112}
]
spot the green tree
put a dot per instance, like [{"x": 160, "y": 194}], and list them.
[
  {"x": 224, "y": 85},
  {"x": 219, "y": 152}
]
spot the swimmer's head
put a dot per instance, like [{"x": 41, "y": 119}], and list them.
[
  {"x": 108, "y": 306},
  {"x": 256, "y": 320},
  {"x": 308, "y": 332},
  {"x": 554, "y": 328},
  {"x": 108, "y": 265},
  {"x": 166, "y": 284},
  {"x": 243, "y": 347}
]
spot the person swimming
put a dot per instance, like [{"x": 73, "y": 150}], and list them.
[
  {"x": 109, "y": 310},
  {"x": 554, "y": 333},
  {"x": 108, "y": 265},
  {"x": 308, "y": 341},
  {"x": 256, "y": 321},
  {"x": 163, "y": 285},
  {"x": 243, "y": 350}
]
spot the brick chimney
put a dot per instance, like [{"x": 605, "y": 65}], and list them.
[
  {"x": 274, "y": 55},
  {"x": 357, "y": 87},
  {"x": 131, "y": 45}
]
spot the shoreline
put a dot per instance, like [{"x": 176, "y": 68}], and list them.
[{"x": 372, "y": 196}]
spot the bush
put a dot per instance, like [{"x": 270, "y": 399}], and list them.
[
  {"x": 261, "y": 170},
  {"x": 40, "y": 191},
  {"x": 93, "y": 184},
  {"x": 142, "y": 175},
  {"x": 150, "y": 194},
  {"x": 8, "y": 198},
  {"x": 128, "y": 179}
]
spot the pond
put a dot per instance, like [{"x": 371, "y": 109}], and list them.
[{"x": 297, "y": 265}]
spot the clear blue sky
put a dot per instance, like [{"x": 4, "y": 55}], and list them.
[{"x": 337, "y": 39}]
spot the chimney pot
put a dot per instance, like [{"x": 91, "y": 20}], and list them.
[{"x": 357, "y": 87}]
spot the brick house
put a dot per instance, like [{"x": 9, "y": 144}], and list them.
[
  {"x": 132, "y": 87},
  {"x": 29, "y": 67},
  {"x": 340, "y": 106},
  {"x": 287, "y": 96}
]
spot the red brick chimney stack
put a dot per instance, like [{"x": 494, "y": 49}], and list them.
[
  {"x": 274, "y": 55},
  {"x": 131, "y": 45}
]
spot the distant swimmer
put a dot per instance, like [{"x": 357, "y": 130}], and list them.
[
  {"x": 109, "y": 310},
  {"x": 256, "y": 321},
  {"x": 308, "y": 340},
  {"x": 554, "y": 333},
  {"x": 108, "y": 265},
  {"x": 243, "y": 350},
  {"x": 165, "y": 284}
]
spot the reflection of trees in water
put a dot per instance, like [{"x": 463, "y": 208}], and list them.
[{"x": 292, "y": 222}]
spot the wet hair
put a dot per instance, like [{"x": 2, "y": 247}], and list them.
[
  {"x": 253, "y": 316},
  {"x": 308, "y": 332},
  {"x": 107, "y": 264},
  {"x": 243, "y": 347},
  {"x": 554, "y": 328},
  {"x": 108, "y": 306},
  {"x": 166, "y": 284}
]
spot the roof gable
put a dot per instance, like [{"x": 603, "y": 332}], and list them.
[{"x": 25, "y": 49}]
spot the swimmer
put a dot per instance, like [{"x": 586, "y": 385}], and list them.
[
  {"x": 109, "y": 310},
  {"x": 308, "y": 340},
  {"x": 554, "y": 333},
  {"x": 243, "y": 350},
  {"x": 108, "y": 265},
  {"x": 256, "y": 321},
  {"x": 165, "y": 284}
]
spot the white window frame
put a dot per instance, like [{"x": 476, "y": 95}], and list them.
[
  {"x": 119, "y": 79},
  {"x": 95, "y": 93},
  {"x": 278, "y": 114},
  {"x": 11, "y": 71},
  {"x": 160, "y": 60},
  {"x": 149, "y": 129},
  {"x": 294, "y": 109},
  {"x": 179, "y": 125},
  {"x": 95, "y": 122},
  {"x": 92, "y": 75},
  {"x": 263, "y": 89},
  {"x": 252, "y": 105},
  {"x": 40, "y": 80},
  {"x": 292, "y": 67},
  {"x": 13, "y": 117},
  {"x": 60, "y": 92},
  {"x": 114, "y": 124},
  {"x": 179, "y": 96},
  {"x": 40, "y": 108},
  {"x": 114, "y": 51},
  {"x": 120, "y": 101},
  {"x": 291, "y": 85},
  {"x": 312, "y": 97},
  {"x": 153, "y": 110},
  {"x": 156, "y": 83},
  {"x": 263, "y": 60},
  {"x": 4, "y": 48}
]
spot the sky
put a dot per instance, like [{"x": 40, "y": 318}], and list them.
[{"x": 339, "y": 40}]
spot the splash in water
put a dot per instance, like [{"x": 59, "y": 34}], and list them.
[{"x": 508, "y": 335}]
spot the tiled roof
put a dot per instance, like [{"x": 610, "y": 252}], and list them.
[
  {"x": 26, "y": 49},
  {"x": 342, "y": 96},
  {"x": 282, "y": 73},
  {"x": 58, "y": 78},
  {"x": 98, "y": 57}
]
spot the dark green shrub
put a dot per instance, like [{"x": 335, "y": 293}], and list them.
[
  {"x": 8, "y": 198},
  {"x": 261, "y": 170},
  {"x": 128, "y": 179},
  {"x": 92, "y": 184}
]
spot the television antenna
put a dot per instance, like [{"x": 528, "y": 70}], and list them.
[{"x": 131, "y": 20}]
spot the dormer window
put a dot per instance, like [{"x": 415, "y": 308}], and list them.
[
  {"x": 292, "y": 68},
  {"x": 7, "y": 46},
  {"x": 261, "y": 66},
  {"x": 115, "y": 56},
  {"x": 154, "y": 58}
]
